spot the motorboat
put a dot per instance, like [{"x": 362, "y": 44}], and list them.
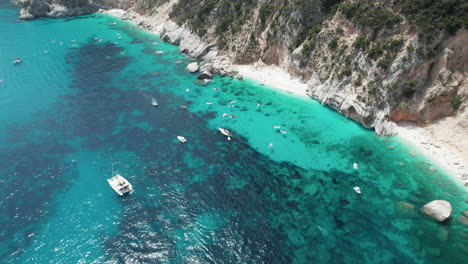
[
  {"x": 154, "y": 102},
  {"x": 112, "y": 24},
  {"x": 225, "y": 132},
  {"x": 183, "y": 106},
  {"x": 182, "y": 139},
  {"x": 271, "y": 145},
  {"x": 120, "y": 185},
  {"x": 283, "y": 131},
  {"x": 355, "y": 166},
  {"x": 357, "y": 189},
  {"x": 17, "y": 61}
]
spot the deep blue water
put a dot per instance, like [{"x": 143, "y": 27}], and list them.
[{"x": 81, "y": 100}]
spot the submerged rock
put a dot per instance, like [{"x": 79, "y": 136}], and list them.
[
  {"x": 202, "y": 82},
  {"x": 463, "y": 220},
  {"x": 438, "y": 210},
  {"x": 192, "y": 67},
  {"x": 442, "y": 234},
  {"x": 465, "y": 213},
  {"x": 405, "y": 209}
]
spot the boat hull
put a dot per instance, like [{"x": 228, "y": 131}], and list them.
[{"x": 120, "y": 185}]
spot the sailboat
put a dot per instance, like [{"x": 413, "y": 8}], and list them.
[
  {"x": 17, "y": 61},
  {"x": 120, "y": 185},
  {"x": 154, "y": 102}
]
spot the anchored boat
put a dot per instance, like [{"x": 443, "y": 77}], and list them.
[
  {"x": 225, "y": 132},
  {"x": 154, "y": 102},
  {"x": 120, "y": 185}
]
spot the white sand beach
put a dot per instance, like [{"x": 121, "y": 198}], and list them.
[
  {"x": 273, "y": 77},
  {"x": 445, "y": 142}
]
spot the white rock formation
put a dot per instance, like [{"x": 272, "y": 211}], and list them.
[
  {"x": 192, "y": 67},
  {"x": 438, "y": 210}
]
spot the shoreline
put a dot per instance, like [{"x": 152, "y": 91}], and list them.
[{"x": 445, "y": 155}]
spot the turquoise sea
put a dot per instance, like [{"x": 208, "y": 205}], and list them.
[{"x": 81, "y": 100}]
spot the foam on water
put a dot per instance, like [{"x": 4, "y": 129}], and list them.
[{"x": 68, "y": 114}]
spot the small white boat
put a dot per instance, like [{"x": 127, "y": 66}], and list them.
[
  {"x": 154, "y": 102},
  {"x": 182, "y": 139},
  {"x": 276, "y": 127},
  {"x": 271, "y": 145},
  {"x": 283, "y": 131},
  {"x": 120, "y": 185},
  {"x": 17, "y": 61},
  {"x": 209, "y": 103},
  {"x": 112, "y": 24},
  {"x": 224, "y": 115},
  {"x": 357, "y": 189},
  {"x": 183, "y": 106},
  {"x": 225, "y": 132},
  {"x": 355, "y": 166}
]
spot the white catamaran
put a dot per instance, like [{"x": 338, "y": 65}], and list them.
[{"x": 120, "y": 185}]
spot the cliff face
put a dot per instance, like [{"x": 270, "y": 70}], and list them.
[{"x": 372, "y": 60}]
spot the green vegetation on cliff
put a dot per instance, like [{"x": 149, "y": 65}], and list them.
[{"x": 74, "y": 3}]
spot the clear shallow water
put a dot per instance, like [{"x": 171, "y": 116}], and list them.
[{"x": 67, "y": 114}]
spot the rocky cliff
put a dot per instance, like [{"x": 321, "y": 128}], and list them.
[
  {"x": 33, "y": 9},
  {"x": 372, "y": 60}
]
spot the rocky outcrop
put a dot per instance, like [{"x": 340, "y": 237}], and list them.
[
  {"x": 188, "y": 43},
  {"x": 438, "y": 210},
  {"x": 205, "y": 75},
  {"x": 33, "y": 9}
]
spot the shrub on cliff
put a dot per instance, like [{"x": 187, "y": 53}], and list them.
[
  {"x": 74, "y": 3},
  {"x": 434, "y": 16}
]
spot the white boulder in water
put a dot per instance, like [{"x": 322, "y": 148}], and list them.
[
  {"x": 192, "y": 67},
  {"x": 438, "y": 210}
]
